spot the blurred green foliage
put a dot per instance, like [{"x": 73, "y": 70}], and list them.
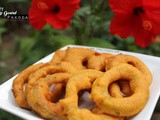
[
  {"x": 7, "y": 116},
  {"x": 2, "y": 29},
  {"x": 89, "y": 27}
]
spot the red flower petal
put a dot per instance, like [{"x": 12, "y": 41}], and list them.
[
  {"x": 143, "y": 15},
  {"x": 39, "y": 4},
  {"x": 143, "y": 37},
  {"x": 122, "y": 25},
  {"x": 36, "y": 18},
  {"x": 52, "y": 3},
  {"x": 121, "y": 6},
  {"x": 56, "y": 12},
  {"x": 137, "y": 3},
  {"x": 151, "y": 5},
  {"x": 154, "y": 18},
  {"x": 73, "y": 2},
  {"x": 56, "y": 23},
  {"x": 67, "y": 11}
]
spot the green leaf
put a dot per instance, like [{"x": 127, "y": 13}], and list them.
[
  {"x": 62, "y": 40},
  {"x": 98, "y": 42},
  {"x": 2, "y": 29},
  {"x": 2, "y": 22},
  {"x": 16, "y": 1},
  {"x": 7, "y": 116},
  {"x": 86, "y": 10},
  {"x": 27, "y": 44},
  {"x": 5, "y": 54}
]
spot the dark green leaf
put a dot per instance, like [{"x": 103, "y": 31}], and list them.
[
  {"x": 98, "y": 42},
  {"x": 62, "y": 40},
  {"x": 84, "y": 11}
]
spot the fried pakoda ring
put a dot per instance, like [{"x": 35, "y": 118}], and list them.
[
  {"x": 58, "y": 56},
  {"x": 50, "y": 69},
  {"x": 78, "y": 57},
  {"x": 58, "y": 88},
  {"x": 39, "y": 97},
  {"x": 20, "y": 81},
  {"x": 121, "y": 58},
  {"x": 134, "y": 61},
  {"x": 70, "y": 102},
  {"x": 127, "y": 106},
  {"x": 114, "y": 90},
  {"x": 97, "y": 61},
  {"x": 63, "y": 67}
]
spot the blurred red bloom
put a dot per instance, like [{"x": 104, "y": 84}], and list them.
[
  {"x": 137, "y": 18},
  {"x": 55, "y": 12}
]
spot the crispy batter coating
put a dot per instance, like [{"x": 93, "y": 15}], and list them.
[
  {"x": 127, "y": 106},
  {"x": 114, "y": 90},
  {"x": 134, "y": 61},
  {"x": 78, "y": 56},
  {"x": 58, "y": 56},
  {"x": 20, "y": 81},
  {"x": 38, "y": 97},
  {"x": 118, "y": 85},
  {"x": 97, "y": 61},
  {"x": 50, "y": 69},
  {"x": 26, "y": 79},
  {"x": 70, "y": 103}
]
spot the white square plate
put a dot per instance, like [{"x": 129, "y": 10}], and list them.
[{"x": 7, "y": 100}]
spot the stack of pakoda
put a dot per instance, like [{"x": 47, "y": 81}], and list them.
[{"x": 118, "y": 85}]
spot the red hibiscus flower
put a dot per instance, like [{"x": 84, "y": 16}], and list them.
[
  {"x": 55, "y": 12},
  {"x": 137, "y": 18}
]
